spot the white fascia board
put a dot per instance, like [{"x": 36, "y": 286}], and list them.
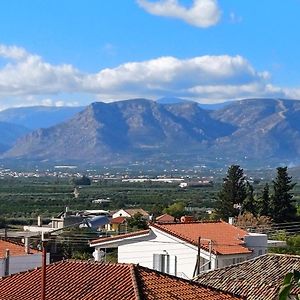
[{"x": 120, "y": 240}]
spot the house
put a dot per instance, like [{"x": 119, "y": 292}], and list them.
[
  {"x": 256, "y": 279},
  {"x": 118, "y": 224},
  {"x": 73, "y": 280},
  {"x": 184, "y": 249},
  {"x": 129, "y": 213},
  {"x": 17, "y": 257},
  {"x": 165, "y": 218}
]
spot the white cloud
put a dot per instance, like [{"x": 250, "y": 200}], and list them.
[
  {"x": 27, "y": 78},
  {"x": 12, "y": 52},
  {"x": 203, "y": 13}
]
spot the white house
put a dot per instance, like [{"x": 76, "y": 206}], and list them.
[
  {"x": 174, "y": 248},
  {"x": 130, "y": 212},
  {"x": 15, "y": 258}
]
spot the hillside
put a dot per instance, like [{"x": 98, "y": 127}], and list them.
[{"x": 254, "y": 130}]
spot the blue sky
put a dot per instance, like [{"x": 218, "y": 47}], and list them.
[{"x": 62, "y": 52}]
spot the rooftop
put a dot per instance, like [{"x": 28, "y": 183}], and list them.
[
  {"x": 256, "y": 279},
  {"x": 73, "y": 280},
  {"x": 120, "y": 237},
  {"x": 15, "y": 249},
  {"x": 226, "y": 238}
]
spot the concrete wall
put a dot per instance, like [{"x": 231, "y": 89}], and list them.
[{"x": 22, "y": 263}]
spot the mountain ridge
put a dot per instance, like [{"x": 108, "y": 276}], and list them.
[{"x": 141, "y": 129}]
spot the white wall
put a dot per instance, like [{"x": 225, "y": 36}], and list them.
[
  {"x": 121, "y": 213},
  {"x": 257, "y": 242},
  {"x": 22, "y": 263},
  {"x": 141, "y": 251}
]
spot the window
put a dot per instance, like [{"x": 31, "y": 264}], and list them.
[{"x": 165, "y": 263}]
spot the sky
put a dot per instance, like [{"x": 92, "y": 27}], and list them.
[{"x": 63, "y": 52}]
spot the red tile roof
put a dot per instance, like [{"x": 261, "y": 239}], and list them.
[
  {"x": 74, "y": 280},
  {"x": 15, "y": 249},
  {"x": 118, "y": 220},
  {"x": 226, "y": 238},
  {"x": 164, "y": 218},
  {"x": 256, "y": 279},
  {"x": 120, "y": 237}
]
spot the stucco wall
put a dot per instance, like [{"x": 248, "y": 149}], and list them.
[{"x": 22, "y": 263}]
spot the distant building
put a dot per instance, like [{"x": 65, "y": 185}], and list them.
[
  {"x": 130, "y": 212},
  {"x": 165, "y": 218}
]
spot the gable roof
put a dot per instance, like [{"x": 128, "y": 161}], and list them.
[
  {"x": 73, "y": 280},
  {"x": 226, "y": 238},
  {"x": 118, "y": 220},
  {"x": 164, "y": 218},
  {"x": 256, "y": 279},
  {"x": 15, "y": 249},
  {"x": 133, "y": 211}
]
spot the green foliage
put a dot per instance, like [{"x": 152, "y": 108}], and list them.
[
  {"x": 84, "y": 180},
  {"x": 2, "y": 223},
  {"x": 249, "y": 204},
  {"x": 233, "y": 193},
  {"x": 282, "y": 202},
  {"x": 263, "y": 202},
  {"x": 289, "y": 281},
  {"x": 137, "y": 222},
  {"x": 176, "y": 209}
]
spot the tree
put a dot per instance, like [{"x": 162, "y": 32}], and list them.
[
  {"x": 137, "y": 222},
  {"x": 249, "y": 204},
  {"x": 290, "y": 281},
  {"x": 282, "y": 202},
  {"x": 264, "y": 202},
  {"x": 176, "y": 209},
  {"x": 232, "y": 193},
  {"x": 84, "y": 180}
]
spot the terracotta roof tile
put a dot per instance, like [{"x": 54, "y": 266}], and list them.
[
  {"x": 158, "y": 286},
  {"x": 164, "y": 218},
  {"x": 120, "y": 236},
  {"x": 118, "y": 220},
  {"x": 226, "y": 238},
  {"x": 256, "y": 279},
  {"x": 15, "y": 249},
  {"x": 74, "y": 280}
]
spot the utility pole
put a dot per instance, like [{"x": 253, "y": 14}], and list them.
[
  {"x": 44, "y": 265},
  {"x": 197, "y": 266}
]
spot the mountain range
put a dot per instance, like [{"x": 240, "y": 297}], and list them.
[{"x": 251, "y": 131}]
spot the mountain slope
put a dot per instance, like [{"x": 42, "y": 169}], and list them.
[
  {"x": 38, "y": 116},
  {"x": 122, "y": 130},
  {"x": 9, "y": 133},
  {"x": 253, "y": 130}
]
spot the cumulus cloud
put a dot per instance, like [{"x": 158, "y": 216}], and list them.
[
  {"x": 204, "y": 78},
  {"x": 203, "y": 13}
]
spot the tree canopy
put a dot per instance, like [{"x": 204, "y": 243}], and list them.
[
  {"x": 282, "y": 202},
  {"x": 232, "y": 193}
]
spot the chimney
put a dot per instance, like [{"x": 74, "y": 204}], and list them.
[
  {"x": 231, "y": 220},
  {"x": 39, "y": 221},
  {"x": 27, "y": 245},
  {"x": 6, "y": 263}
]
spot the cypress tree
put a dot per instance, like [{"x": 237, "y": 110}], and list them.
[
  {"x": 264, "y": 202},
  {"x": 249, "y": 204},
  {"x": 282, "y": 202},
  {"x": 232, "y": 193}
]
